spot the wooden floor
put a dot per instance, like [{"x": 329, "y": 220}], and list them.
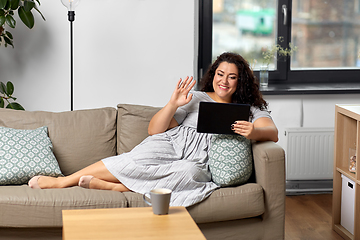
[{"x": 309, "y": 217}]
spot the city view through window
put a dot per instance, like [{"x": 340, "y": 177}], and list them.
[{"x": 325, "y": 32}]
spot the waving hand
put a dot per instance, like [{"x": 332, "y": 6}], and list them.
[
  {"x": 181, "y": 94},
  {"x": 164, "y": 119}
]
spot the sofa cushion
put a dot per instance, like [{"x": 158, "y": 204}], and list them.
[
  {"x": 224, "y": 204},
  {"x": 79, "y": 138},
  {"x": 133, "y": 122},
  {"x": 24, "y": 154},
  {"x": 21, "y": 206},
  {"x": 230, "y": 159},
  {"x": 230, "y": 203}
]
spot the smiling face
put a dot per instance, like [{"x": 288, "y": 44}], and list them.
[{"x": 225, "y": 82}]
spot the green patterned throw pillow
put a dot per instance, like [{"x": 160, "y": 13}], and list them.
[
  {"x": 230, "y": 159},
  {"x": 24, "y": 154}
]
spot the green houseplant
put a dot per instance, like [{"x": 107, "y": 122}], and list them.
[
  {"x": 24, "y": 10},
  {"x": 270, "y": 54},
  {"x": 6, "y": 95},
  {"x": 277, "y": 51}
]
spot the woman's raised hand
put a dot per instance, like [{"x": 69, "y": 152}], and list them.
[
  {"x": 164, "y": 119},
  {"x": 181, "y": 94}
]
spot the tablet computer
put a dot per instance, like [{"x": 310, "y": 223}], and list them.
[{"x": 218, "y": 117}]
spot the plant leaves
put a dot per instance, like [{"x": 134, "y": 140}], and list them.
[
  {"x": 14, "y": 4},
  {"x": 28, "y": 5},
  {"x": 2, "y": 102},
  {"x": 3, "y": 3},
  {"x": 10, "y": 21},
  {"x": 26, "y": 17},
  {"x": 9, "y": 88},
  {"x": 2, "y": 20},
  {"x": 2, "y": 88},
  {"x": 8, "y": 41},
  {"x": 15, "y": 105},
  {"x": 9, "y": 35},
  {"x": 40, "y": 13},
  {"x": 7, "y": 6}
]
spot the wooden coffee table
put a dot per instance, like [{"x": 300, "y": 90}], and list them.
[{"x": 129, "y": 223}]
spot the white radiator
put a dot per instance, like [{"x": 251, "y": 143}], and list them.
[{"x": 309, "y": 153}]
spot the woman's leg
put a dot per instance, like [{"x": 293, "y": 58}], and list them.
[
  {"x": 92, "y": 182},
  {"x": 98, "y": 170}
]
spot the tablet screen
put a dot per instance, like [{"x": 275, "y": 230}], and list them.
[{"x": 218, "y": 117}]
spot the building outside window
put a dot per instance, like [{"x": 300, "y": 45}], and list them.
[{"x": 325, "y": 32}]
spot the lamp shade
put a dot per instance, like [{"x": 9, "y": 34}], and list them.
[{"x": 70, "y": 4}]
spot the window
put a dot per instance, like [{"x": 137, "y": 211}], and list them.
[{"x": 325, "y": 32}]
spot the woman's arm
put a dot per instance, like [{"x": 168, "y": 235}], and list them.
[
  {"x": 263, "y": 129},
  {"x": 164, "y": 119}
]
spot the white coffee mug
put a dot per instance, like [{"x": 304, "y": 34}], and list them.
[{"x": 160, "y": 200}]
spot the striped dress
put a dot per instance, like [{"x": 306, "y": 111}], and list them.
[{"x": 176, "y": 159}]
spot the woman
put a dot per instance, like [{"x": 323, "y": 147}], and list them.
[{"x": 175, "y": 155}]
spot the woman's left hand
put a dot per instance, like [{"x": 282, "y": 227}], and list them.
[
  {"x": 263, "y": 129},
  {"x": 243, "y": 128}
]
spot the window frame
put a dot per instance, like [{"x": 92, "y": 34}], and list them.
[{"x": 283, "y": 80}]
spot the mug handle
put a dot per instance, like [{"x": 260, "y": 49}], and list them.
[{"x": 146, "y": 201}]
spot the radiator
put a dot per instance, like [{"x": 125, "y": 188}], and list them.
[{"x": 309, "y": 153}]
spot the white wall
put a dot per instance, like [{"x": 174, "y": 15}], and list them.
[
  {"x": 310, "y": 111},
  {"x": 126, "y": 51}
]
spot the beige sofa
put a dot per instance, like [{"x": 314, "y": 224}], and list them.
[{"x": 251, "y": 211}]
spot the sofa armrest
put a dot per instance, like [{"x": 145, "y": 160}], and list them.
[{"x": 269, "y": 163}]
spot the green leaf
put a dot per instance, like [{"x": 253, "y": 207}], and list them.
[
  {"x": 9, "y": 88},
  {"x": 2, "y": 88},
  {"x": 2, "y": 12},
  {"x": 28, "y": 5},
  {"x": 3, "y": 3},
  {"x": 40, "y": 13},
  {"x": 9, "y": 35},
  {"x": 2, "y": 103},
  {"x": 10, "y": 21},
  {"x": 15, "y": 105},
  {"x": 2, "y": 20},
  {"x": 26, "y": 17},
  {"x": 14, "y": 4},
  {"x": 7, "y": 6},
  {"x": 8, "y": 41}
]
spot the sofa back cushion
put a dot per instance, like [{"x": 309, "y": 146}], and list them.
[
  {"x": 132, "y": 127},
  {"x": 79, "y": 138}
]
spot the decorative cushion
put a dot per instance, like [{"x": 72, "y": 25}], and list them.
[
  {"x": 230, "y": 159},
  {"x": 132, "y": 129},
  {"x": 24, "y": 154}
]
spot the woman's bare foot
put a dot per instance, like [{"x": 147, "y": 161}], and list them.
[
  {"x": 33, "y": 182},
  {"x": 85, "y": 181},
  {"x": 44, "y": 182}
]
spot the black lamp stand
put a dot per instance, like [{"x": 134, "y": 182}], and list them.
[{"x": 71, "y": 15}]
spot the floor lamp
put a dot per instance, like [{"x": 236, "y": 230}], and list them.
[{"x": 71, "y": 5}]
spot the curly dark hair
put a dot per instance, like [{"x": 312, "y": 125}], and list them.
[{"x": 247, "y": 90}]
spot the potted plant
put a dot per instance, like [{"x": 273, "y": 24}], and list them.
[
  {"x": 269, "y": 54},
  {"x": 8, "y": 8},
  {"x": 6, "y": 95}
]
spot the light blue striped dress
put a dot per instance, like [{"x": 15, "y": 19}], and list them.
[{"x": 176, "y": 159}]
